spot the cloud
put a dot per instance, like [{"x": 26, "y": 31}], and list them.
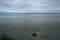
[{"x": 30, "y": 5}]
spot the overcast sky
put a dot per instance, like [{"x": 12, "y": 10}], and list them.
[{"x": 30, "y": 5}]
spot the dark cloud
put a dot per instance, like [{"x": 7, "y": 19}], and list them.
[{"x": 30, "y": 5}]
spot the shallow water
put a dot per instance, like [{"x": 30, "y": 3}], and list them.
[{"x": 21, "y": 26}]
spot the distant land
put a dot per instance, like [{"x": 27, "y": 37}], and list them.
[{"x": 5, "y": 12}]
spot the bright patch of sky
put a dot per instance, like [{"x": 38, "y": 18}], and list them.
[{"x": 30, "y": 5}]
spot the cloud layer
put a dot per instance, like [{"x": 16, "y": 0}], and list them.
[{"x": 30, "y": 5}]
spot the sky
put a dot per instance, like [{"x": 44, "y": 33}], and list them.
[{"x": 30, "y": 5}]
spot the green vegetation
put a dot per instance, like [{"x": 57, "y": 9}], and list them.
[{"x": 6, "y": 37}]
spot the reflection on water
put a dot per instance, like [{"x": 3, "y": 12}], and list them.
[{"x": 21, "y": 26}]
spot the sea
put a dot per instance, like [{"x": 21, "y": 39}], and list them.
[{"x": 21, "y": 26}]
